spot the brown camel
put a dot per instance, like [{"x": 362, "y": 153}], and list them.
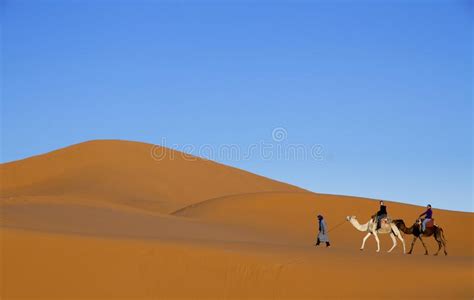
[{"x": 435, "y": 231}]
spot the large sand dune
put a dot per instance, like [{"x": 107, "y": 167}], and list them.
[
  {"x": 104, "y": 219},
  {"x": 128, "y": 173}
]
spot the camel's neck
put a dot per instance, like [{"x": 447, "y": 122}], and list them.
[
  {"x": 407, "y": 230},
  {"x": 410, "y": 230},
  {"x": 358, "y": 226}
]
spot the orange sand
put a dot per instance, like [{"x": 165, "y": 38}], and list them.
[{"x": 103, "y": 219}]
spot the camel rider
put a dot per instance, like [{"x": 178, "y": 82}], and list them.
[
  {"x": 382, "y": 213},
  {"x": 428, "y": 216}
]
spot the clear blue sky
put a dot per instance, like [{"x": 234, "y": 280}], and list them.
[{"x": 385, "y": 89}]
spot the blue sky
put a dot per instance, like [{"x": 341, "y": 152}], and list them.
[{"x": 384, "y": 88}]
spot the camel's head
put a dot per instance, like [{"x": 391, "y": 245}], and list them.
[{"x": 348, "y": 218}]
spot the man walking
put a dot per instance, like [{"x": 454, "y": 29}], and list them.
[{"x": 323, "y": 232}]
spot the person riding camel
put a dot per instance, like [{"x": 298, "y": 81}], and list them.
[
  {"x": 382, "y": 213},
  {"x": 428, "y": 216}
]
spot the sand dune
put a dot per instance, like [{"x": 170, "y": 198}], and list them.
[
  {"x": 126, "y": 173},
  {"x": 69, "y": 266},
  {"x": 292, "y": 216},
  {"x": 104, "y": 220}
]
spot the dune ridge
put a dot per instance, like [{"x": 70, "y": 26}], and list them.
[{"x": 122, "y": 172}]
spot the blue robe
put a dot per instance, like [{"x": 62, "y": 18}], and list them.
[{"x": 323, "y": 232}]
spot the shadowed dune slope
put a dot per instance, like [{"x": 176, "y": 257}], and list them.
[{"x": 128, "y": 173}]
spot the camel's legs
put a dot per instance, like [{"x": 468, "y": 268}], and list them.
[
  {"x": 394, "y": 242},
  {"x": 403, "y": 242},
  {"x": 363, "y": 241},
  {"x": 378, "y": 241},
  {"x": 424, "y": 246},
  {"x": 439, "y": 245},
  {"x": 400, "y": 237},
  {"x": 439, "y": 238},
  {"x": 412, "y": 244},
  {"x": 444, "y": 246}
]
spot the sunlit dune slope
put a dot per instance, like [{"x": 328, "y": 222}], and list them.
[
  {"x": 292, "y": 216},
  {"x": 47, "y": 266},
  {"x": 127, "y": 173}
]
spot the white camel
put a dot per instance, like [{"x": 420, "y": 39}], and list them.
[{"x": 370, "y": 228}]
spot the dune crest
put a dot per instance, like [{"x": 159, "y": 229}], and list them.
[{"x": 134, "y": 174}]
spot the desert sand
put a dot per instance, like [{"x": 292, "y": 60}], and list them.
[{"x": 106, "y": 219}]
